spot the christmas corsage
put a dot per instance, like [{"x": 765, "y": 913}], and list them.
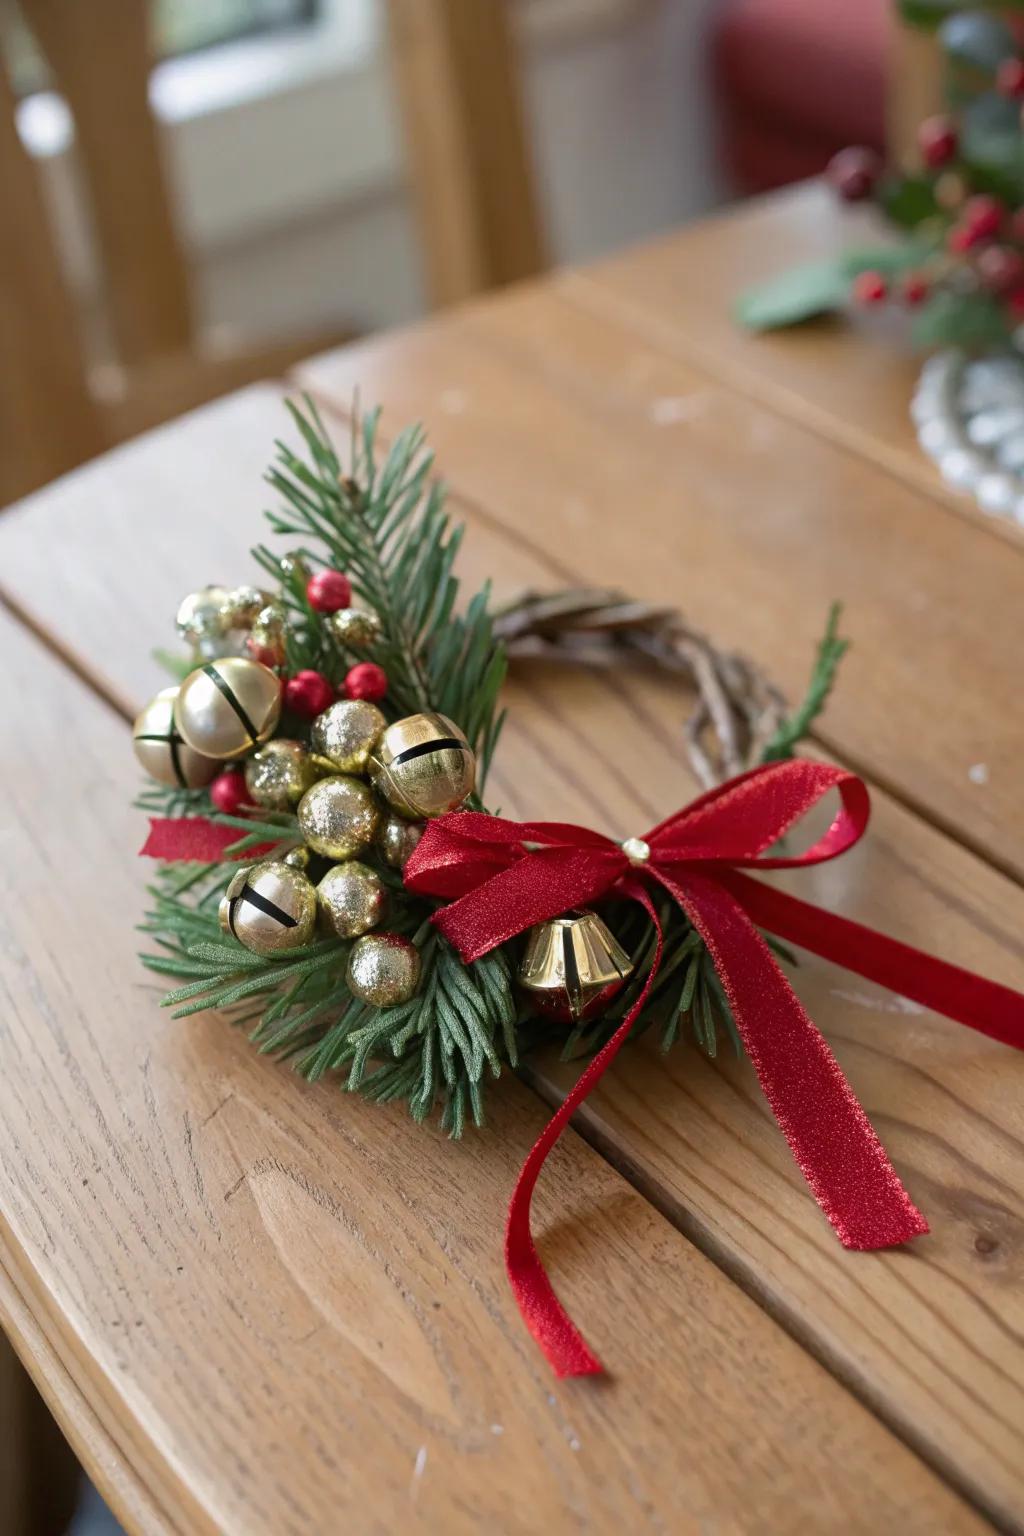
[{"x": 331, "y": 877}]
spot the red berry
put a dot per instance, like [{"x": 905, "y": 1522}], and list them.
[
  {"x": 937, "y": 141},
  {"x": 869, "y": 288},
  {"x": 328, "y": 591},
  {"x": 960, "y": 239},
  {"x": 1015, "y": 304},
  {"x": 308, "y": 694},
  {"x": 853, "y": 173},
  {"x": 366, "y": 681},
  {"x": 914, "y": 289},
  {"x": 1001, "y": 268},
  {"x": 228, "y": 792},
  {"x": 1010, "y": 77},
  {"x": 983, "y": 216}
]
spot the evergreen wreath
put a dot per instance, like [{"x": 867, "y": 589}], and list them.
[{"x": 376, "y": 531}]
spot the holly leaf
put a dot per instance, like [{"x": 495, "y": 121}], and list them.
[
  {"x": 907, "y": 200},
  {"x": 820, "y": 287},
  {"x": 960, "y": 320},
  {"x": 980, "y": 41}
]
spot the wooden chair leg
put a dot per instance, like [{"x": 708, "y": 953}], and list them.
[
  {"x": 39, "y": 1476},
  {"x": 456, "y": 74}
]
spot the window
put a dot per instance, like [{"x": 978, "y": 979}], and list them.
[{"x": 179, "y": 27}]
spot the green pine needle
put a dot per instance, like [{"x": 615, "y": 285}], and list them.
[{"x": 382, "y": 520}]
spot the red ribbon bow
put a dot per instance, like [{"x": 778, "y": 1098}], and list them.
[{"x": 502, "y": 877}]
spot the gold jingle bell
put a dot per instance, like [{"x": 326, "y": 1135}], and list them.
[
  {"x": 270, "y": 908},
  {"x": 342, "y": 738},
  {"x": 423, "y": 766},
  {"x": 383, "y": 969},
  {"x": 397, "y": 840},
  {"x": 573, "y": 966},
  {"x": 354, "y": 627},
  {"x": 278, "y": 775},
  {"x": 161, "y": 751},
  {"x": 338, "y": 817},
  {"x": 227, "y": 707},
  {"x": 352, "y": 899}
]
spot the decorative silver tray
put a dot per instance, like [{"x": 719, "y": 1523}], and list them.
[{"x": 969, "y": 414}]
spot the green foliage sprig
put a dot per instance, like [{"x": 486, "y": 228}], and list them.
[{"x": 383, "y": 522}]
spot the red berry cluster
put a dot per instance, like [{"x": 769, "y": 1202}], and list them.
[
  {"x": 309, "y": 693},
  {"x": 983, "y": 236}
]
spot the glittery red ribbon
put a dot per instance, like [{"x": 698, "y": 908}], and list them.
[
  {"x": 502, "y": 877},
  {"x": 176, "y": 839}
]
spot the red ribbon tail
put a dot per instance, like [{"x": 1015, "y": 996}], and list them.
[
  {"x": 564, "y": 1346},
  {"x": 194, "y": 839},
  {"x": 831, "y": 1137},
  {"x": 980, "y": 1004}
]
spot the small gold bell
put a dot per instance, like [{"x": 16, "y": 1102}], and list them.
[
  {"x": 161, "y": 750},
  {"x": 227, "y": 707},
  {"x": 342, "y": 738},
  {"x": 278, "y": 775},
  {"x": 397, "y": 840},
  {"x": 423, "y": 766},
  {"x": 573, "y": 966},
  {"x": 270, "y": 908},
  {"x": 204, "y": 615}
]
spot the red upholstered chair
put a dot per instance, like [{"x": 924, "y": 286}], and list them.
[{"x": 795, "y": 81}]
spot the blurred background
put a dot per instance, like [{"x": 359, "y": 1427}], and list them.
[{"x": 198, "y": 192}]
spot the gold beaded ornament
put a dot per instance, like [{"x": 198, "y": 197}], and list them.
[
  {"x": 270, "y": 908},
  {"x": 397, "y": 839},
  {"x": 355, "y": 627},
  {"x": 573, "y": 966},
  {"x": 203, "y": 615},
  {"x": 383, "y": 970},
  {"x": 423, "y": 766},
  {"x": 161, "y": 751},
  {"x": 352, "y": 899},
  {"x": 342, "y": 738},
  {"x": 338, "y": 817},
  {"x": 227, "y": 707},
  {"x": 278, "y": 775},
  {"x": 268, "y": 636}
]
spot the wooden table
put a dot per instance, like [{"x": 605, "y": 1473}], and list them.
[{"x": 259, "y": 1307}]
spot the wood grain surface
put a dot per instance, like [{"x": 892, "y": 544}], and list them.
[
  {"x": 609, "y": 460},
  {"x": 849, "y": 378},
  {"x": 286, "y": 1308},
  {"x": 930, "y": 1337}
]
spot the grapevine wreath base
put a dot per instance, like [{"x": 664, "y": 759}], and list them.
[{"x": 330, "y": 876}]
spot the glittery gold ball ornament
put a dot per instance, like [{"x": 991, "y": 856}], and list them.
[
  {"x": 162, "y": 752},
  {"x": 383, "y": 969},
  {"x": 573, "y": 966},
  {"x": 268, "y": 636},
  {"x": 204, "y": 615},
  {"x": 345, "y": 734},
  {"x": 278, "y": 775},
  {"x": 338, "y": 817},
  {"x": 227, "y": 707},
  {"x": 354, "y": 627},
  {"x": 293, "y": 564},
  {"x": 397, "y": 838},
  {"x": 423, "y": 766},
  {"x": 270, "y": 908},
  {"x": 244, "y": 604},
  {"x": 352, "y": 898},
  {"x": 298, "y": 858}
]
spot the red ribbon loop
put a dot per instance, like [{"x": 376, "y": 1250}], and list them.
[{"x": 501, "y": 877}]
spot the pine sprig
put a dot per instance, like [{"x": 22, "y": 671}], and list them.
[{"x": 382, "y": 520}]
